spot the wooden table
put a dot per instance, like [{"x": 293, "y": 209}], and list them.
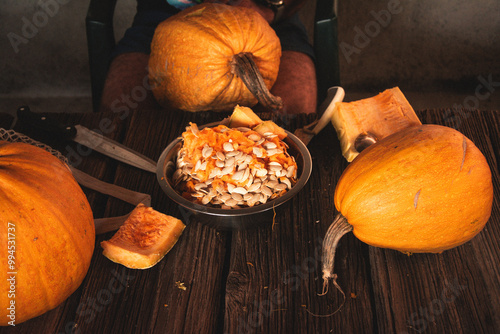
[{"x": 267, "y": 280}]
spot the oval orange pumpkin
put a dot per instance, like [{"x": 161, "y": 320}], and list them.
[
  {"x": 424, "y": 189},
  {"x": 201, "y": 59},
  {"x": 47, "y": 231}
]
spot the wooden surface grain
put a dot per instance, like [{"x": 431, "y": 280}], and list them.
[{"x": 268, "y": 279}]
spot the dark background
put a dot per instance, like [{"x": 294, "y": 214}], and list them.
[{"x": 438, "y": 52}]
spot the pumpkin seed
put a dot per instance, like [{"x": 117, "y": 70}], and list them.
[
  {"x": 272, "y": 183},
  {"x": 239, "y": 190},
  {"x": 286, "y": 181},
  {"x": 237, "y": 197},
  {"x": 266, "y": 191},
  {"x": 221, "y": 156},
  {"x": 254, "y": 187},
  {"x": 254, "y": 137},
  {"x": 269, "y": 145},
  {"x": 207, "y": 151},
  {"x": 257, "y": 151},
  {"x": 224, "y": 197},
  {"x": 261, "y": 172},
  {"x": 228, "y": 147},
  {"x": 227, "y": 170},
  {"x": 280, "y": 187},
  {"x": 248, "y": 159},
  {"x": 229, "y": 161},
  {"x": 243, "y": 129},
  {"x": 231, "y": 202},
  {"x": 238, "y": 175},
  {"x": 206, "y": 199},
  {"x": 199, "y": 186},
  {"x": 194, "y": 129},
  {"x": 246, "y": 175},
  {"x": 230, "y": 187}
]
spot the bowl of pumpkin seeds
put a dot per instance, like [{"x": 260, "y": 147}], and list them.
[{"x": 233, "y": 178}]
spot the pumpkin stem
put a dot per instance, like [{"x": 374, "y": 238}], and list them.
[
  {"x": 337, "y": 229},
  {"x": 244, "y": 67}
]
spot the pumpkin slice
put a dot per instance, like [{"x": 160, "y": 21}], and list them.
[
  {"x": 243, "y": 116},
  {"x": 371, "y": 119},
  {"x": 144, "y": 239}
]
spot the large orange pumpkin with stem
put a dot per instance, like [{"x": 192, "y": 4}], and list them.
[
  {"x": 47, "y": 232},
  {"x": 213, "y": 57},
  {"x": 421, "y": 189}
]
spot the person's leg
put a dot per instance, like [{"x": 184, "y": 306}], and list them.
[
  {"x": 296, "y": 83},
  {"x": 126, "y": 86}
]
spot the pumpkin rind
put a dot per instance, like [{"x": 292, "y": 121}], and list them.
[
  {"x": 191, "y": 54},
  {"x": 425, "y": 189},
  {"x": 53, "y": 227}
]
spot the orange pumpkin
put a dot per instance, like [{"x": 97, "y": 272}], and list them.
[
  {"x": 425, "y": 189},
  {"x": 213, "y": 57},
  {"x": 47, "y": 229}
]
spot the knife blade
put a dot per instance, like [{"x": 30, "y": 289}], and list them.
[
  {"x": 84, "y": 136},
  {"x": 326, "y": 109}
]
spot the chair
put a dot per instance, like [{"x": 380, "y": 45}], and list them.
[{"x": 101, "y": 41}]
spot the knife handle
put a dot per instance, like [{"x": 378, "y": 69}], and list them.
[{"x": 45, "y": 124}]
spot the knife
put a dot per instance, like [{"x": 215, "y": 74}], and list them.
[
  {"x": 86, "y": 137},
  {"x": 326, "y": 110}
]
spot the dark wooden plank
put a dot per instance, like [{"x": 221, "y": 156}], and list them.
[
  {"x": 275, "y": 273},
  {"x": 154, "y": 302}
]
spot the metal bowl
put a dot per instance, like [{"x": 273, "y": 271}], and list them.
[{"x": 239, "y": 218}]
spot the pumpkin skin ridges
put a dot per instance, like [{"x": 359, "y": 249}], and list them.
[
  {"x": 455, "y": 194},
  {"x": 206, "y": 37},
  {"x": 54, "y": 229}
]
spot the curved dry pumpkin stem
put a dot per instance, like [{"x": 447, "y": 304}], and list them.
[
  {"x": 339, "y": 227},
  {"x": 244, "y": 67}
]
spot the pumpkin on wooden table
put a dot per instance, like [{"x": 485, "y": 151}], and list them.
[
  {"x": 47, "y": 229},
  {"x": 420, "y": 189},
  {"x": 213, "y": 57}
]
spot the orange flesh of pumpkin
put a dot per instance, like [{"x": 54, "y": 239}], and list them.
[
  {"x": 380, "y": 115},
  {"x": 144, "y": 239}
]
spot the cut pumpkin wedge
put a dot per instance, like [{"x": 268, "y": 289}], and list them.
[
  {"x": 144, "y": 239},
  {"x": 243, "y": 116},
  {"x": 376, "y": 117}
]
